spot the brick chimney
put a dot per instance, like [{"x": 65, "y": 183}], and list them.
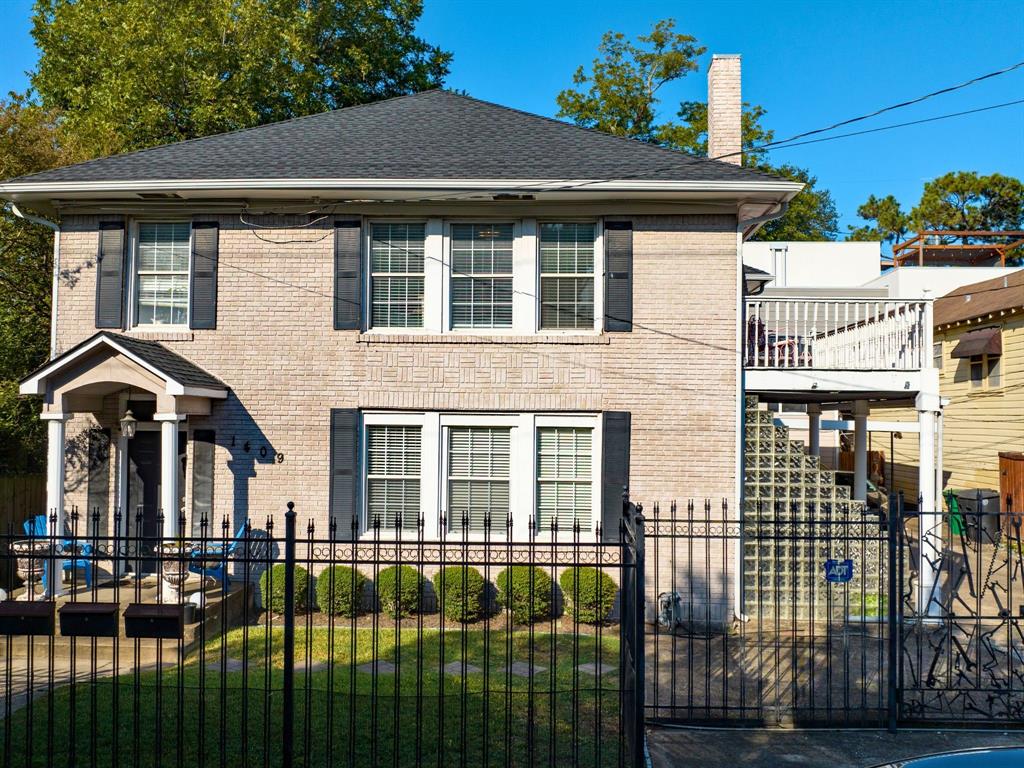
[{"x": 725, "y": 108}]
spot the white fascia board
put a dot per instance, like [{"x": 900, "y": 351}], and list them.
[
  {"x": 34, "y": 384},
  {"x": 840, "y": 382},
  {"x": 497, "y": 185}
]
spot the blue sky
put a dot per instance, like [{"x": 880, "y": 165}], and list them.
[{"x": 809, "y": 63}]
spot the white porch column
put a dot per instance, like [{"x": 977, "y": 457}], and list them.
[
  {"x": 814, "y": 429},
  {"x": 169, "y": 471},
  {"x": 929, "y": 516},
  {"x": 860, "y": 450},
  {"x": 55, "y": 453}
]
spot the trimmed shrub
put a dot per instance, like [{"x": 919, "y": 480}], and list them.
[
  {"x": 399, "y": 588},
  {"x": 589, "y": 593},
  {"x": 346, "y": 597},
  {"x": 460, "y": 592},
  {"x": 273, "y": 594},
  {"x": 525, "y": 591}
]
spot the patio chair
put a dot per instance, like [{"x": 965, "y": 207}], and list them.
[
  {"x": 36, "y": 528},
  {"x": 212, "y": 562}
]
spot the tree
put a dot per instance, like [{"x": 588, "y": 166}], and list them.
[
  {"x": 129, "y": 74},
  {"x": 811, "y": 214},
  {"x": 28, "y": 143},
  {"x": 964, "y": 200},
  {"x": 620, "y": 96},
  {"x": 891, "y": 223}
]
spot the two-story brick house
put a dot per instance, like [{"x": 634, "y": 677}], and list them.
[{"x": 422, "y": 304}]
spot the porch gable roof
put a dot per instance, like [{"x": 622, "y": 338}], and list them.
[{"x": 182, "y": 376}]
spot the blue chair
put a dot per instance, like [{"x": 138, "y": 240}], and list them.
[
  {"x": 213, "y": 561},
  {"x": 36, "y": 528}
]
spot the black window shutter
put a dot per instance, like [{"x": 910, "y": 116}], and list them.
[
  {"x": 348, "y": 283},
  {"x": 98, "y": 494},
  {"x": 344, "y": 501},
  {"x": 203, "y": 293},
  {"x": 618, "y": 282},
  {"x": 614, "y": 468},
  {"x": 110, "y": 276},
  {"x": 203, "y": 442}
]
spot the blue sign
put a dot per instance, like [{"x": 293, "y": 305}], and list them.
[{"x": 838, "y": 571}]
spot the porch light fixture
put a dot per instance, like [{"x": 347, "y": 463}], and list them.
[{"x": 128, "y": 424}]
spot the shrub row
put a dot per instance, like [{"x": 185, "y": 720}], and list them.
[{"x": 524, "y": 591}]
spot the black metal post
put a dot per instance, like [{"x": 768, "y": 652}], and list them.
[
  {"x": 288, "y": 704},
  {"x": 893, "y": 624},
  {"x": 638, "y": 649}
]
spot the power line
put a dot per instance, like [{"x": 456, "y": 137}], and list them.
[
  {"x": 890, "y": 108},
  {"x": 896, "y": 125}
]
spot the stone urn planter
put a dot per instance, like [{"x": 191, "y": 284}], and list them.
[
  {"x": 174, "y": 561},
  {"x": 31, "y": 555}
]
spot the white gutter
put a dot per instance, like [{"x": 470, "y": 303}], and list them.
[
  {"x": 496, "y": 185},
  {"x": 56, "y": 269}
]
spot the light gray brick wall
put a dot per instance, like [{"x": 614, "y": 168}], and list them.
[{"x": 276, "y": 348}]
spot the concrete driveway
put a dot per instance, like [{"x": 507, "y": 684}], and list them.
[{"x": 778, "y": 748}]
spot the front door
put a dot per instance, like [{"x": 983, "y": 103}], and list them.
[{"x": 144, "y": 495}]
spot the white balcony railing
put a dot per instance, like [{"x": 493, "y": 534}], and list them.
[{"x": 838, "y": 334}]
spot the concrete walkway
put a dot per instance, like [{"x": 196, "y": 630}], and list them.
[{"x": 778, "y": 748}]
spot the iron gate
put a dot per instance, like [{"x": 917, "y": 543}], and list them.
[{"x": 835, "y": 625}]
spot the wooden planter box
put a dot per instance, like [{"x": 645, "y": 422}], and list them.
[
  {"x": 35, "y": 617},
  {"x": 156, "y": 620},
  {"x": 88, "y": 619}
]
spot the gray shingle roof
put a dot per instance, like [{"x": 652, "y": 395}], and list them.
[
  {"x": 172, "y": 365},
  {"x": 430, "y": 135}
]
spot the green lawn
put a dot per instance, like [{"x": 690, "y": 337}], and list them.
[{"x": 416, "y": 716}]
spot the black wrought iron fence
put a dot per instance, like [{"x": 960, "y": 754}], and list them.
[
  {"x": 775, "y": 618},
  {"x": 286, "y": 644}
]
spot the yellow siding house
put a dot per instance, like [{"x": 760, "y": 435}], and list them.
[{"x": 979, "y": 350}]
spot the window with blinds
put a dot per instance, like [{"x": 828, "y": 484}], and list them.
[
  {"x": 393, "y": 455},
  {"x": 396, "y": 275},
  {"x": 564, "y": 478},
  {"x": 566, "y": 275},
  {"x": 481, "y": 280},
  {"x": 162, "y": 260},
  {"x": 478, "y": 478}
]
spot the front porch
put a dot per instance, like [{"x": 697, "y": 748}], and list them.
[{"x": 138, "y": 395}]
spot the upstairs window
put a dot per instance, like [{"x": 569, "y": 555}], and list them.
[
  {"x": 985, "y": 371},
  {"x": 481, "y": 275},
  {"x": 566, "y": 275},
  {"x": 162, "y": 264},
  {"x": 396, "y": 275}
]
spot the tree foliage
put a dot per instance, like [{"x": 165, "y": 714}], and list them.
[
  {"x": 890, "y": 223},
  {"x": 959, "y": 200},
  {"x": 619, "y": 95},
  {"x": 28, "y": 143},
  {"x": 128, "y": 74}
]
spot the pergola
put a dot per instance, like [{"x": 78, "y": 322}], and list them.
[{"x": 929, "y": 248}]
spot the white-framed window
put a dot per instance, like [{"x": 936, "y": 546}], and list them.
[
  {"x": 162, "y": 257},
  {"x": 393, "y": 470},
  {"x": 458, "y": 471},
  {"x": 481, "y": 275},
  {"x": 567, "y": 274},
  {"x": 937, "y": 355},
  {"x": 492, "y": 277},
  {"x": 397, "y": 253},
  {"x": 985, "y": 371},
  {"x": 479, "y": 463},
  {"x": 565, "y": 478}
]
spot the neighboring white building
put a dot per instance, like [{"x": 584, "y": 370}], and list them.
[
  {"x": 910, "y": 282},
  {"x": 816, "y": 264}
]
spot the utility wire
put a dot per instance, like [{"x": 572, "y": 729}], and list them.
[{"x": 890, "y": 108}]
